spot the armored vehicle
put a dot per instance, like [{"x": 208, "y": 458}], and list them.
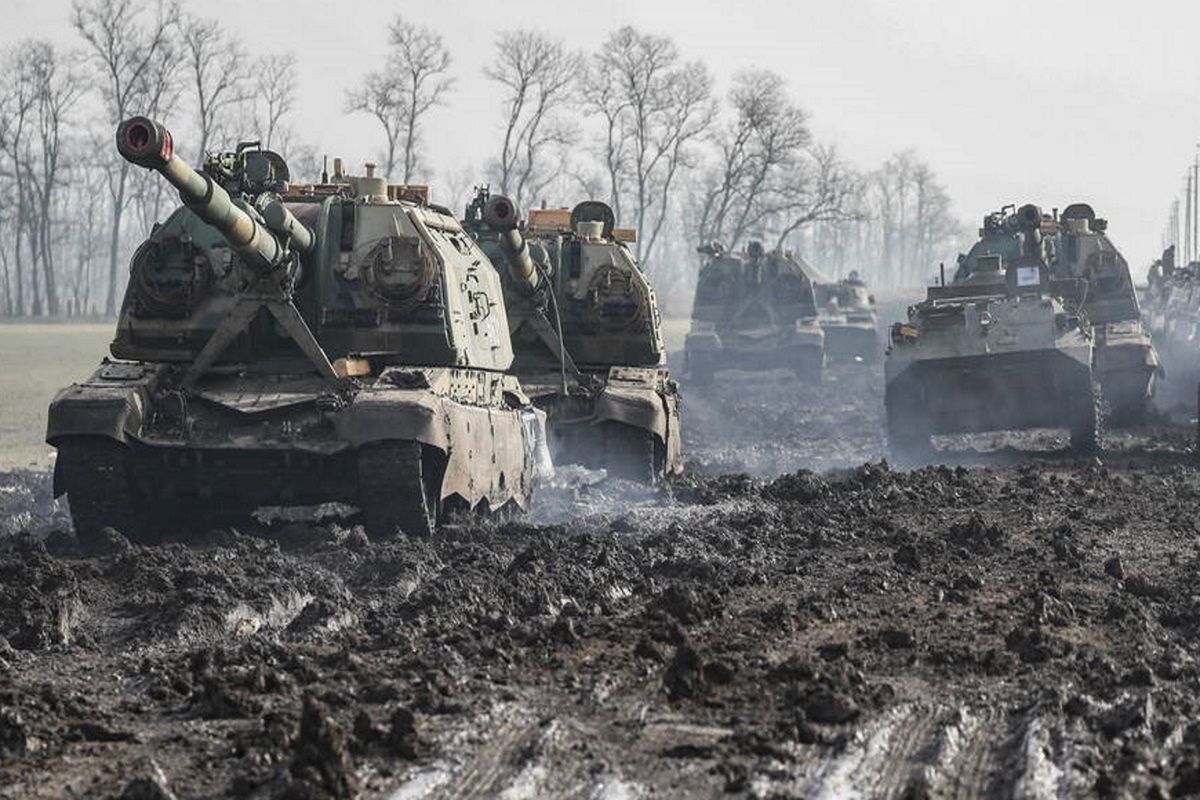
[
  {"x": 284, "y": 344},
  {"x": 848, "y": 318},
  {"x": 1175, "y": 322},
  {"x": 1160, "y": 279},
  {"x": 1126, "y": 361},
  {"x": 754, "y": 310},
  {"x": 587, "y": 335},
  {"x": 1181, "y": 302},
  {"x": 1004, "y": 347}
]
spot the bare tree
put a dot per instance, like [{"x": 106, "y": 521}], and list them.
[
  {"x": 218, "y": 72},
  {"x": 9, "y": 305},
  {"x": 275, "y": 97},
  {"x": 126, "y": 55},
  {"x": 539, "y": 75},
  {"x": 84, "y": 224},
  {"x": 18, "y": 108},
  {"x": 763, "y": 143},
  {"x": 455, "y": 186},
  {"x": 904, "y": 223},
  {"x": 378, "y": 97},
  {"x": 769, "y": 178},
  {"x": 412, "y": 83},
  {"x": 654, "y": 107},
  {"x": 57, "y": 89},
  {"x": 819, "y": 188}
]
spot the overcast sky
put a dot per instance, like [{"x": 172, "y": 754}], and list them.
[{"x": 1048, "y": 102}]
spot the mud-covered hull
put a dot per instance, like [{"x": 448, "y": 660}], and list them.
[
  {"x": 802, "y": 351},
  {"x": 626, "y": 421},
  {"x": 236, "y": 442},
  {"x": 1126, "y": 366}
]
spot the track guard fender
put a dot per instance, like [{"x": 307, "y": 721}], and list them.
[
  {"x": 632, "y": 396},
  {"x": 112, "y": 403},
  {"x": 376, "y": 416},
  {"x": 467, "y": 436}
]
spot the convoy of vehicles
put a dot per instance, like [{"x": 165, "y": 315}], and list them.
[{"x": 284, "y": 343}]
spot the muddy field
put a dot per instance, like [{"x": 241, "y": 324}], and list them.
[{"x": 1016, "y": 624}]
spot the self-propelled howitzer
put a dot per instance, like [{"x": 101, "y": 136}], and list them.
[
  {"x": 754, "y": 310},
  {"x": 586, "y": 334},
  {"x": 285, "y": 344},
  {"x": 1126, "y": 362}
]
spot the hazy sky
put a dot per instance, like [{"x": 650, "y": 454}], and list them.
[{"x": 1049, "y": 102}]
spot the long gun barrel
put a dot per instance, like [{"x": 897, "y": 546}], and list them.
[
  {"x": 501, "y": 215},
  {"x": 148, "y": 144}
]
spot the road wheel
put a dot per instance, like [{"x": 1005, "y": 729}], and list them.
[{"x": 398, "y": 489}]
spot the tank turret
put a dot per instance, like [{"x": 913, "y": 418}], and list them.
[
  {"x": 265, "y": 255},
  {"x": 1010, "y": 238},
  {"x": 1029, "y": 223}
]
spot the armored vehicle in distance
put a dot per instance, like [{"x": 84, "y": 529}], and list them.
[
  {"x": 1160, "y": 280},
  {"x": 1127, "y": 363},
  {"x": 587, "y": 335},
  {"x": 847, "y": 315},
  {"x": 1077, "y": 247},
  {"x": 1173, "y": 313},
  {"x": 1003, "y": 347},
  {"x": 754, "y": 310},
  {"x": 284, "y": 344}
]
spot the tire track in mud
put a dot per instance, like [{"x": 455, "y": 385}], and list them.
[
  {"x": 911, "y": 736},
  {"x": 517, "y": 753},
  {"x": 1039, "y": 777},
  {"x": 862, "y": 768},
  {"x": 505, "y": 762},
  {"x": 977, "y": 748},
  {"x": 938, "y": 752}
]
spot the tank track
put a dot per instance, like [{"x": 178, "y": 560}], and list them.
[
  {"x": 396, "y": 490},
  {"x": 95, "y": 474},
  {"x": 1087, "y": 434}
]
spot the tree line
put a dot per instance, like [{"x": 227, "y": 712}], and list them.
[{"x": 635, "y": 123}]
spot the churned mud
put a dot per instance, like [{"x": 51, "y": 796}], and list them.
[{"x": 1016, "y": 624}]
